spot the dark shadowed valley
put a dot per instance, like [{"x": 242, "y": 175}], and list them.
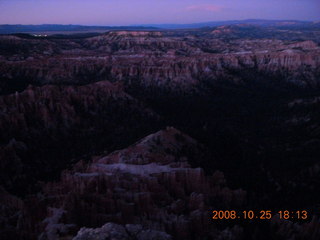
[{"x": 141, "y": 134}]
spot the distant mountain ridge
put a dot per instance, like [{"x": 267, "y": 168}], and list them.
[
  {"x": 18, "y": 28},
  {"x": 258, "y": 22}
]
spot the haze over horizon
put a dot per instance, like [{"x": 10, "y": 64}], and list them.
[{"x": 126, "y": 12}]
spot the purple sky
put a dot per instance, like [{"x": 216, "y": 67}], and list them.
[{"x": 128, "y": 12}]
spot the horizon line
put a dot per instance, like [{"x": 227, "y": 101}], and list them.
[{"x": 146, "y": 24}]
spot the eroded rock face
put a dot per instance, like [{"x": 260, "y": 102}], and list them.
[
  {"x": 118, "y": 232},
  {"x": 149, "y": 183},
  {"x": 154, "y": 59},
  {"x": 46, "y": 122}
]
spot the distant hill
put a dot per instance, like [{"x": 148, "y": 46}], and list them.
[
  {"x": 10, "y": 29},
  {"x": 257, "y": 22},
  {"x": 57, "y": 28}
]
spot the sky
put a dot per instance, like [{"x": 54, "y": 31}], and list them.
[{"x": 134, "y": 12}]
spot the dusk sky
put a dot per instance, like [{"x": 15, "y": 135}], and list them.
[{"x": 129, "y": 12}]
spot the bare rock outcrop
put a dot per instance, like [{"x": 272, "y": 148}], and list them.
[
  {"x": 150, "y": 183},
  {"x": 40, "y": 124},
  {"x": 118, "y": 232},
  {"x": 154, "y": 59}
]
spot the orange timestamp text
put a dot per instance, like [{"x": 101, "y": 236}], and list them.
[{"x": 259, "y": 215}]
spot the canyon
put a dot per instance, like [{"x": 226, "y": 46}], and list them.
[
  {"x": 153, "y": 59},
  {"x": 142, "y": 134}
]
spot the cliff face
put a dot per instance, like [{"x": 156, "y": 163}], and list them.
[
  {"x": 153, "y": 59},
  {"x": 149, "y": 183},
  {"x": 147, "y": 190},
  {"x": 42, "y": 124}
]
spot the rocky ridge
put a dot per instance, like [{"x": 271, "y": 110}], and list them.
[
  {"x": 150, "y": 183},
  {"x": 52, "y": 119},
  {"x": 154, "y": 59},
  {"x": 119, "y": 232}
]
